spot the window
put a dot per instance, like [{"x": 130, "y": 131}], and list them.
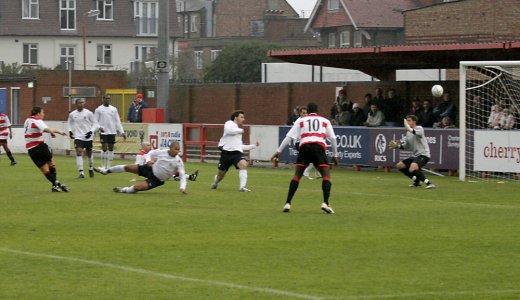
[
  {"x": 198, "y": 60},
  {"x": 104, "y": 54},
  {"x": 186, "y": 23},
  {"x": 68, "y": 14},
  {"x": 257, "y": 28},
  {"x": 194, "y": 23},
  {"x": 145, "y": 53},
  {"x": 344, "y": 39},
  {"x": 358, "y": 39},
  {"x": 214, "y": 54},
  {"x": 67, "y": 56},
  {"x": 30, "y": 54},
  {"x": 15, "y": 105},
  {"x": 30, "y": 9},
  {"x": 105, "y": 8},
  {"x": 332, "y": 40},
  {"x": 333, "y": 4},
  {"x": 146, "y": 17}
]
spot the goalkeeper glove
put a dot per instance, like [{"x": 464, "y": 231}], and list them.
[
  {"x": 393, "y": 144},
  {"x": 406, "y": 126},
  {"x": 71, "y": 135},
  {"x": 88, "y": 135}
]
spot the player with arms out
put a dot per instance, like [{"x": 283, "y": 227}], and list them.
[
  {"x": 38, "y": 149},
  {"x": 81, "y": 125},
  {"x": 313, "y": 131},
  {"x": 414, "y": 141},
  {"x": 232, "y": 151},
  {"x": 109, "y": 123},
  {"x": 5, "y": 132},
  {"x": 162, "y": 165}
]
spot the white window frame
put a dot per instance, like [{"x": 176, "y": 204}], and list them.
[
  {"x": 215, "y": 54},
  {"x": 186, "y": 23},
  {"x": 333, "y": 4},
  {"x": 358, "y": 39},
  {"x": 194, "y": 23},
  {"x": 344, "y": 39},
  {"x": 30, "y": 9},
  {"x": 69, "y": 12},
  {"x": 104, "y": 54},
  {"x": 147, "y": 14},
  {"x": 69, "y": 55},
  {"x": 106, "y": 10},
  {"x": 199, "y": 63},
  {"x": 30, "y": 54},
  {"x": 141, "y": 50},
  {"x": 332, "y": 40}
]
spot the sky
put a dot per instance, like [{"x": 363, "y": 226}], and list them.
[{"x": 303, "y": 6}]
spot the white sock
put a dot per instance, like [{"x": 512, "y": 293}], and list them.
[
  {"x": 129, "y": 189},
  {"x": 242, "y": 175},
  {"x": 117, "y": 169},
  {"x": 79, "y": 163},
  {"x": 91, "y": 161},
  {"x": 216, "y": 179},
  {"x": 104, "y": 156},
  {"x": 307, "y": 171},
  {"x": 110, "y": 158}
]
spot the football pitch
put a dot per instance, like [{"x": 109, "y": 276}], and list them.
[{"x": 385, "y": 241}]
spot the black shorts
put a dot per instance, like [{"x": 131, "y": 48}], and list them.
[
  {"x": 229, "y": 158},
  {"x": 107, "y": 138},
  {"x": 3, "y": 141},
  {"x": 87, "y": 145},
  {"x": 420, "y": 160},
  {"x": 40, "y": 154},
  {"x": 146, "y": 171},
  {"x": 312, "y": 154}
]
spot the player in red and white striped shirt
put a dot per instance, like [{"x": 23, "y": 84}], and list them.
[
  {"x": 313, "y": 131},
  {"x": 6, "y": 132},
  {"x": 38, "y": 149}
]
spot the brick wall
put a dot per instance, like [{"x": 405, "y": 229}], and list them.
[{"x": 464, "y": 21}]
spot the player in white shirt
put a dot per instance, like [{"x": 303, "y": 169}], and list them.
[
  {"x": 162, "y": 165},
  {"x": 38, "y": 150},
  {"x": 109, "y": 123},
  {"x": 82, "y": 124},
  {"x": 6, "y": 132},
  {"x": 232, "y": 151},
  {"x": 313, "y": 131},
  {"x": 142, "y": 157}
]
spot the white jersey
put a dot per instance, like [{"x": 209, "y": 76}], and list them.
[
  {"x": 108, "y": 120},
  {"x": 80, "y": 123},
  {"x": 4, "y": 126},
  {"x": 141, "y": 158},
  {"x": 312, "y": 129},
  {"x": 231, "y": 140},
  {"x": 165, "y": 166},
  {"x": 34, "y": 128}
]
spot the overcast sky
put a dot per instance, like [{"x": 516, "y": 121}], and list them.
[{"x": 304, "y": 6}]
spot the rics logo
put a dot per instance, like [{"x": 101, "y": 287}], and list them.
[{"x": 380, "y": 143}]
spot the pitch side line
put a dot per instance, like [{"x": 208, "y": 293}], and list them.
[{"x": 163, "y": 275}]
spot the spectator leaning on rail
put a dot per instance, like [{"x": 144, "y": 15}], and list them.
[{"x": 135, "y": 111}]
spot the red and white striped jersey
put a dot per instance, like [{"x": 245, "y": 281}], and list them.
[
  {"x": 312, "y": 129},
  {"x": 4, "y": 126},
  {"x": 34, "y": 128}
]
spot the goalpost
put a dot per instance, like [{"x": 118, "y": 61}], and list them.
[{"x": 489, "y": 147}]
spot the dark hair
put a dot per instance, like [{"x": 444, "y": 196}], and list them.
[
  {"x": 235, "y": 114},
  {"x": 312, "y": 108},
  {"x": 413, "y": 117},
  {"x": 36, "y": 110}
]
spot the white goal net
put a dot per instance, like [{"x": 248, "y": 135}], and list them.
[{"x": 489, "y": 120}]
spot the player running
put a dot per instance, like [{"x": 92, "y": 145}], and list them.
[
  {"x": 313, "y": 131},
  {"x": 162, "y": 165},
  {"x": 414, "y": 141},
  {"x": 6, "y": 132}
]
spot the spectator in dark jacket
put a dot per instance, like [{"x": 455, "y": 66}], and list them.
[
  {"x": 135, "y": 111},
  {"x": 358, "y": 116}
]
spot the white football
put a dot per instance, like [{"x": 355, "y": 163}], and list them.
[{"x": 437, "y": 90}]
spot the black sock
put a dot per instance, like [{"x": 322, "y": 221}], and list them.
[
  {"x": 325, "y": 187},
  {"x": 406, "y": 172},
  {"x": 51, "y": 177},
  {"x": 293, "y": 186},
  {"x": 10, "y": 155},
  {"x": 420, "y": 176}
]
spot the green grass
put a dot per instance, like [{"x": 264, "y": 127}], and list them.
[{"x": 386, "y": 240}]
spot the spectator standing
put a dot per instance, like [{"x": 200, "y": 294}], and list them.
[
  {"x": 445, "y": 109},
  {"x": 416, "y": 107},
  {"x": 82, "y": 124},
  {"x": 368, "y": 101},
  {"x": 392, "y": 108},
  {"x": 342, "y": 97},
  {"x": 135, "y": 111},
  {"x": 358, "y": 116},
  {"x": 344, "y": 115},
  {"x": 294, "y": 116},
  {"x": 109, "y": 123},
  {"x": 508, "y": 121},
  {"x": 6, "y": 132},
  {"x": 375, "y": 117},
  {"x": 426, "y": 116},
  {"x": 38, "y": 150}
]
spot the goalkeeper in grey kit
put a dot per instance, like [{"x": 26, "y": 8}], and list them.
[{"x": 414, "y": 141}]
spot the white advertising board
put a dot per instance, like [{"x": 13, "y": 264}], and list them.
[{"x": 497, "y": 151}]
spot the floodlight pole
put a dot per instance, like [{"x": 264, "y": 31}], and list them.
[
  {"x": 69, "y": 66},
  {"x": 163, "y": 73},
  {"x": 90, "y": 13}
]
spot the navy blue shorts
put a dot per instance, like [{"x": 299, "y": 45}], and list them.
[
  {"x": 229, "y": 158},
  {"x": 146, "y": 171}
]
